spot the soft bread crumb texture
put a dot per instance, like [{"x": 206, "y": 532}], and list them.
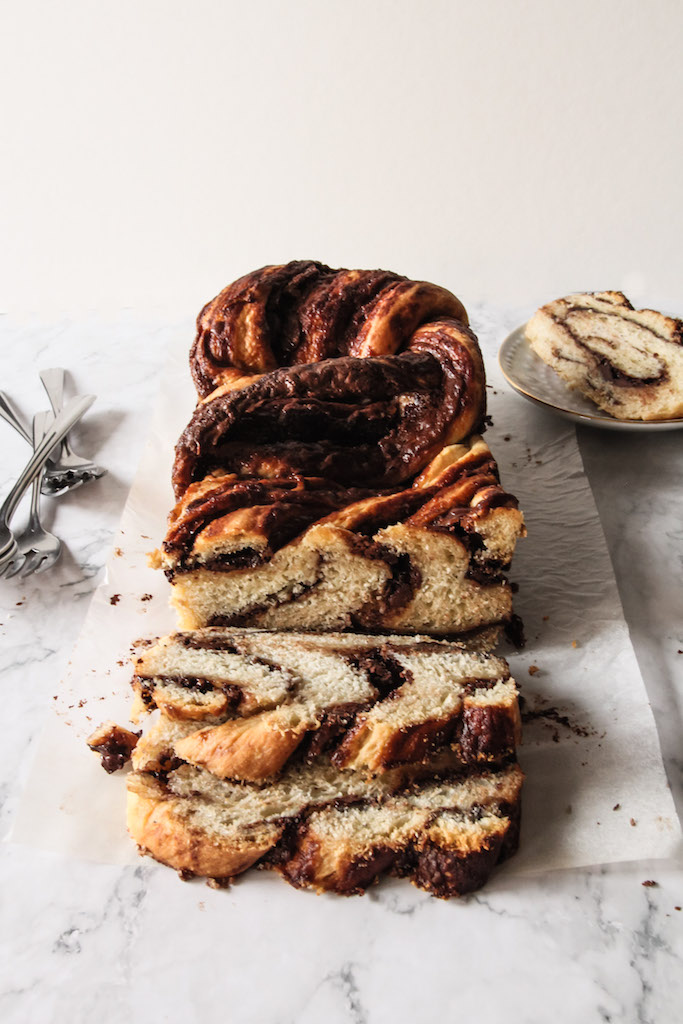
[{"x": 629, "y": 362}]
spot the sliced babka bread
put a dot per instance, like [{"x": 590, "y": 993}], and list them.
[
  {"x": 628, "y": 361},
  {"x": 331, "y": 830},
  {"x": 242, "y": 703}
]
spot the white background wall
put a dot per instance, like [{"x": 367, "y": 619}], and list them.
[{"x": 152, "y": 150}]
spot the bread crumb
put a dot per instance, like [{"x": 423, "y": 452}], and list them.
[
  {"x": 114, "y": 599},
  {"x": 118, "y": 553},
  {"x": 545, "y": 618},
  {"x": 650, "y": 883},
  {"x": 533, "y": 669},
  {"x": 616, "y": 807},
  {"x": 633, "y": 821},
  {"x": 574, "y": 643}
]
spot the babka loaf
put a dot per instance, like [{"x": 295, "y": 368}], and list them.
[
  {"x": 331, "y": 830},
  {"x": 244, "y": 703},
  {"x": 337, "y": 515},
  {"x": 333, "y": 477},
  {"x": 628, "y": 361}
]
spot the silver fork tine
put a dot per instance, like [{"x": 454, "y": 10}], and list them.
[
  {"x": 13, "y": 567},
  {"x": 53, "y": 436},
  {"x": 34, "y": 563}
]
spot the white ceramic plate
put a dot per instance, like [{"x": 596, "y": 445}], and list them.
[{"x": 536, "y": 381}]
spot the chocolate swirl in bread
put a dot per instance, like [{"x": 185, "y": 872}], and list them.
[
  {"x": 628, "y": 361},
  {"x": 242, "y": 703},
  {"x": 329, "y": 830}
]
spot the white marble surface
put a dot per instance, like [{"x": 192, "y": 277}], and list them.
[{"x": 93, "y": 942}]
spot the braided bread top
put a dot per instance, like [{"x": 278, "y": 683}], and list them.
[
  {"x": 303, "y": 312},
  {"x": 358, "y": 377}
]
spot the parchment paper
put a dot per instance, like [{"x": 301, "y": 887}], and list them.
[{"x": 595, "y": 789}]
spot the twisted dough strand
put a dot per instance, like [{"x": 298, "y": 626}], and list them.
[
  {"x": 359, "y": 377},
  {"x": 304, "y": 312}
]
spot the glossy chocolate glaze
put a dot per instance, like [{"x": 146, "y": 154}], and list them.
[
  {"x": 353, "y": 421},
  {"x": 283, "y": 508}
]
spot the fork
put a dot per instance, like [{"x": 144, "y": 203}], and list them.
[
  {"x": 37, "y": 549},
  {"x": 73, "y": 468},
  {"x": 53, "y": 481},
  {"x": 57, "y": 430}
]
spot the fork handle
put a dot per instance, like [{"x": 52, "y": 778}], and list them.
[
  {"x": 41, "y": 421},
  {"x": 53, "y": 382},
  {"x": 58, "y": 429},
  {"x": 9, "y": 412}
]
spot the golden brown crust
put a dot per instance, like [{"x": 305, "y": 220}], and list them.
[
  {"x": 446, "y": 835},
  {"x": 158, "y": 829},
  {"x": 252, "y": 749}
]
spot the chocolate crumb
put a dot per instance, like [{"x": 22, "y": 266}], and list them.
[
  {"x": 533, "y": 669},
  {"x": 114, "y": 599},
  {"x": 114, "y": 744},
  {"x": 650, "y": 883},
  {"x": 146, "y": 597},
  {"x": 677, "y": 908},
  {"x": 633, "y": 821},
  {"x": 616, "y": 807},
  {"x": 568, "y": 809},
  {"x": 507, "y": 437},
  {"x": 219, "y": 883},
  {"x": 548, "y": 716},
  {"x": 514, "y": 631},
  {"x": 545, "y": 618}
]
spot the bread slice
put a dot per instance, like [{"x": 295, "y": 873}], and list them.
[
  {"x": 428, "y": 559},
  {"x": 629, "y": 362},
  {"x": 330, "y": 830},
  {"x": 242, "y": 703}
]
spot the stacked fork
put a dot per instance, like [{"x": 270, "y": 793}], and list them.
[{"x": 53, "y": 469}]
